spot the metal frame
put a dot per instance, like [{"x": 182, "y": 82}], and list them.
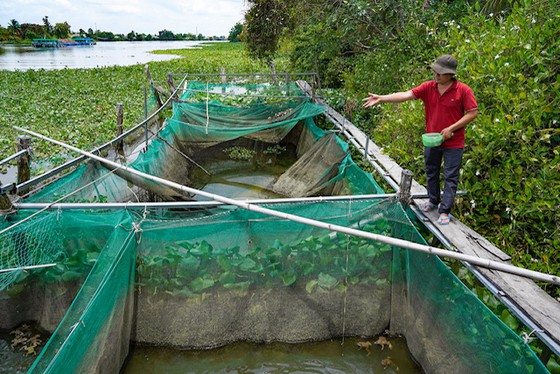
[{"x": 14, "y": 156}]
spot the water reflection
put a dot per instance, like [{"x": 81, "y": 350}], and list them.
[{"x": 21, "y": 58}]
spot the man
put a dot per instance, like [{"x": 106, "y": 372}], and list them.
[{"x": 449, "y": 106}]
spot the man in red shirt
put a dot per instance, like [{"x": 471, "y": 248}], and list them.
[{"x": 449, "y": 106}]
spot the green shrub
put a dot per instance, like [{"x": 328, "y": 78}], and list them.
[{"x": 512, "y": 157}]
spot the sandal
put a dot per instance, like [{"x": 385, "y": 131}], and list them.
[
  {"x": 444, "y": 220},
  {"x": 426, "y": 207}
]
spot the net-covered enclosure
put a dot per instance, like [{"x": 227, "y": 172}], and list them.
[
  {"x": 202, "y": 136},
  {"x": 200, "y": 278}
]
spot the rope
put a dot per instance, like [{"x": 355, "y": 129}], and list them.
[
  {"x": 346, "y": 280},
  {"x": 137, "y": 226},
  {"x": 527, "y": 338}
]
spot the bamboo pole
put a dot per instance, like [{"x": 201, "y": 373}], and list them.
[
  {"x": 119, "y": 146},
  {"x": 24, "y": 172},
  {"x": 344, "y": 230}
]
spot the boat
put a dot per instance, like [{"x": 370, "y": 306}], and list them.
[{"x": 83, "y": 40}]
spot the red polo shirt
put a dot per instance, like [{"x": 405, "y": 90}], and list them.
[{"x": 444, "y": 110}]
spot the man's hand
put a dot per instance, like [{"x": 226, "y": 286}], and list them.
[
  {"x": 371, "y": 100},
  {"x": 447, "y": 133}
]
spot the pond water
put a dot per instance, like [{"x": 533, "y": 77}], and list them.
[
  {"x": 242, "y": 181},
  {"x": 330, "y": 356},
  {"x": 17, "y": 57}
]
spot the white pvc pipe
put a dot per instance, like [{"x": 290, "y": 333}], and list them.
[
  {"x": 345, "y": 230},
  {"x": 27, "y": 267}
]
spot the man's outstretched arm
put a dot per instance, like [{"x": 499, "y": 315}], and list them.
[{"x": 397, "y": 97}]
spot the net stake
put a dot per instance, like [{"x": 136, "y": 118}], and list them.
[
  {"x": 404, "y": 195},
  {"x": 119, "y": 146},
  {"x": 23, "y": 172}
]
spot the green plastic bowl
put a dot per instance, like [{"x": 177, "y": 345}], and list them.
[{"x": 432, "y": 139}]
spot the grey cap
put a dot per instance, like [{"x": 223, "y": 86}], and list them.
[{"x": 445, "y": 64}]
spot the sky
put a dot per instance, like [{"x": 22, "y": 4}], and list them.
[{"x": 207, "y": 17}]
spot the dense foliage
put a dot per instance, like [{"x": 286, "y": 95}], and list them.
[
  {"x": 266, "y": 20},
  {"x": 508, "y": 53}
]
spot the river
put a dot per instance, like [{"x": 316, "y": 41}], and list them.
[{"x": 21, "y": 58}]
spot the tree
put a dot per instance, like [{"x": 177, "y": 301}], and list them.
[
  {"x": 166, "y": 35},
  {"x": 105, "y": 35},
  {"x": 31, "y": 31},
  {"x": 131, "y": 35},
  {"x": 61, "y": 30},
  {"x": 4, "y": 34},
  {"x": 235, "y": 32},
  {"x": 14, "y": 28},
  {"x": 265, "y": 22},
  {"x": 47, "y": 26}
]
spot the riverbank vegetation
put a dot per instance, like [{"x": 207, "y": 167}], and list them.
[
  {"x": 78, "y": 105},
  {"x": 24, "y": 33},
  {"x": 508, "y": 53}
]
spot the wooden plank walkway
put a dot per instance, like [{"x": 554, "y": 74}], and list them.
[{"x": 522, "y": 296}]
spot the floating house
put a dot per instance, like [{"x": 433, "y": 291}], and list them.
[
  {"x": 45, "y": 43},
  {"x": 56, "y": 43}
]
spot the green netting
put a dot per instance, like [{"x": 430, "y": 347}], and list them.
[
  {"x": 204, "y": 278},
  {"x": 208, "y": 279},
  {"x": 89, "y": 183},
  {"x": 94, "y": 334},
  {"x": 202, "y": 124},
  {"x": 437, "y": 313},
  {"x": 238, "y": 275},
  {"x": 24, "y": 246},
  {"x": 182, "y": 149},
  {"x": 44, "y": 294}
]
